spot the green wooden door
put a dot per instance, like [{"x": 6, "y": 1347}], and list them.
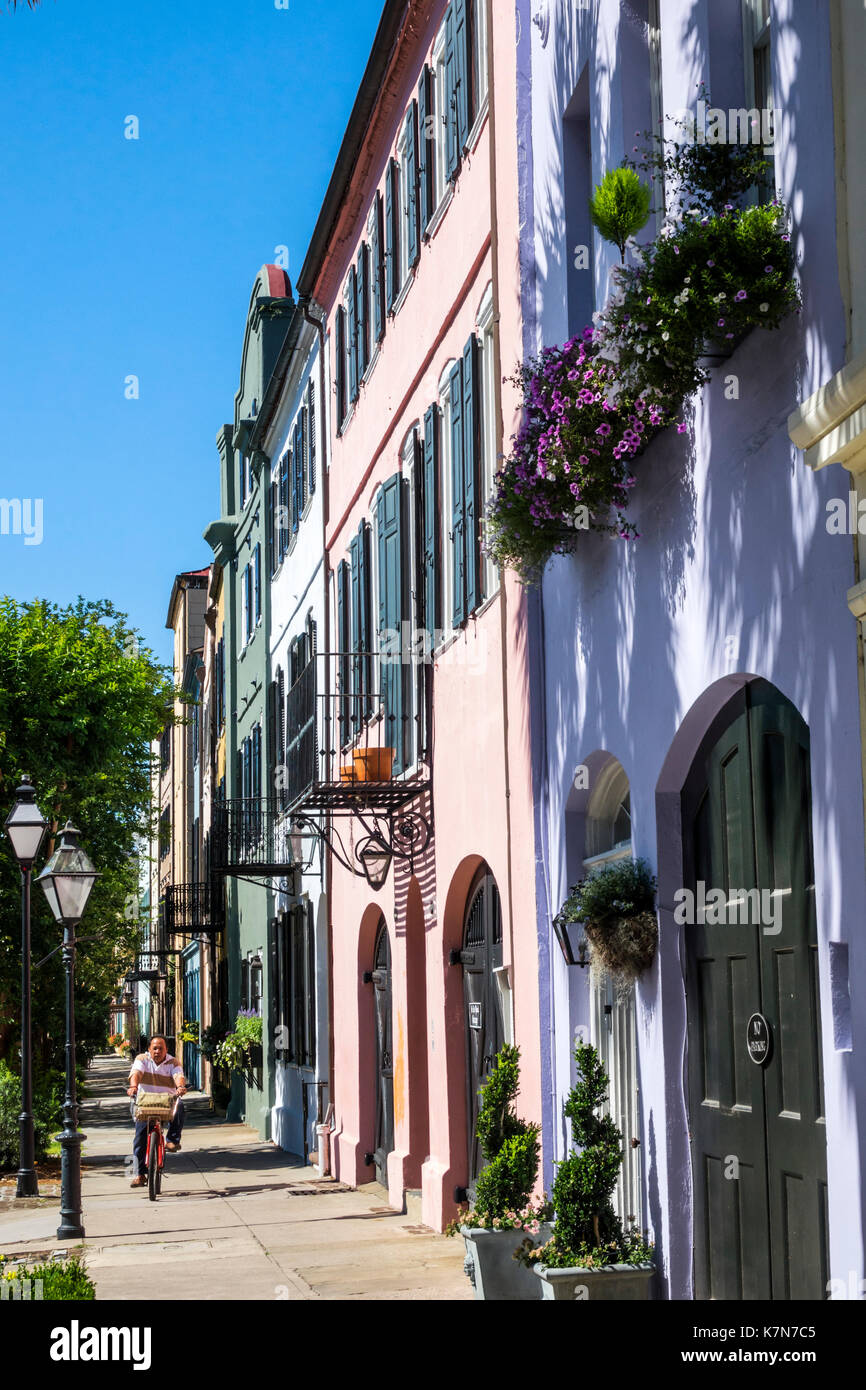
[{"x": 757, "y": 1131}]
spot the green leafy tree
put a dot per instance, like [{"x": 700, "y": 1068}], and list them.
[
  {"x": 620, "y": 207},
  {"x": 80, "y": 702}
]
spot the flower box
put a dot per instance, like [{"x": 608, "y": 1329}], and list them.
[
  {"x": 492, "y": 1268},
  {"x": 610, "y": 1282}
]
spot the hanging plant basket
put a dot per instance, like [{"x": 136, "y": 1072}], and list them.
[
  {"x": 624, "y": 946},
  {"x": 616, "y": 907}
]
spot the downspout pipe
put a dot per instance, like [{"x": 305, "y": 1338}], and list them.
[
  {"x": 500, "y": 436},
  {"x": 319, "y": 325}
]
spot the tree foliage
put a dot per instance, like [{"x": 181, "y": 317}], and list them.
[{"x": 80, "y": 703}]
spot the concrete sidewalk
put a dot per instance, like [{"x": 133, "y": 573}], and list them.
[{"x": 237, "y": 1219}]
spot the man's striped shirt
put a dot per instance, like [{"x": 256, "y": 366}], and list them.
[{"x": 153, "y": 1079}]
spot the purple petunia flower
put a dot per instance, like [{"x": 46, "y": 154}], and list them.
[
  {"x": 740, "y": 296},
  {"x": 768, "y": 270},
  {"x": 682, "y": 427},
  {"x": 603, "y": 429},
  {"x": 711, "y": 264},
  {"x": 721, "y": 323}
]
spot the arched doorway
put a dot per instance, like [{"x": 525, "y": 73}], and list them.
[
  {"x": 481, "y": 957},
  {"x": 756, "y": 1112},
  {"x": 384, "y": 1142}
]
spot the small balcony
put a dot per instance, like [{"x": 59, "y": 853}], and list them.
[
  {"x": 354, "y": 732},
  {"x": 251, "y": 836},
  {"x": 148, "y": 968},
  {"x": 352, "y": 729},
  {"x": 194, "y": 909}
]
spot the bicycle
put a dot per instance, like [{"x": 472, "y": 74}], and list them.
[{"x": 153, "y": 1109}]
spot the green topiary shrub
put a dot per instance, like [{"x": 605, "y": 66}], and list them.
[
  {"x": 620, "y": 207},
  {"x": 587, "y": 1231},
  {"x": 509, "y": 1145}
]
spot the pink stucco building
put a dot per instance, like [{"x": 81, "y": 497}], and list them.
[{"x": 415, "y": 263}]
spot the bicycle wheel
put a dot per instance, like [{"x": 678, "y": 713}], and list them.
[{"x": 153, "y": 1165}]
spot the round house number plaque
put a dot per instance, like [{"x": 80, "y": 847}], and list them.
[{"x": 758, "y": 1038}]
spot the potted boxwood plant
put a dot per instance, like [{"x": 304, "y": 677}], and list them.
[
  {"x": 502, "y": 1213},
  {"x": 589, "y": 1255},
  {"x": 616, "y": 906}
]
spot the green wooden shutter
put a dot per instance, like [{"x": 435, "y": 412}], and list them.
[
  {"x": 297, "y": 464},
  {"x": 310, "y": 986},
  {"x": 355, "y": 593},
  {"x": 413, "y": 223},
  {"x": 463, "y": 66},
  {"x": 392, "y": 256},
  {"x": 452, "y": 144},
  {"x": 426, "y": 149},
  {"x": 269, "y": 529},
  {"x": 363, "y": 328},
  {"x": 352, "y": 333},
  {"x": 377, "y": 270},
  {"x": 271, "y": 723},
  {"x": 472, "y": 469},
  {"x": 458, "y": 497},
  {"x": 365, "y": 599},
  {"x": 432, "y": 610},
  {"x": 344, "y": 641},
  {"x": 340, "y": 365},
  {"x": 391, "y": 534},
  {"x": 311, "y": 425}
]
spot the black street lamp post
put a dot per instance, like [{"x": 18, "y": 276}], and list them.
[
  {"x": 67, "y": 880},
  {"x": 26, "y": 830}
]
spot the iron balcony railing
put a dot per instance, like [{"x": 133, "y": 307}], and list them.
[
  {"x": 194, "y": 908},
  {"x": 353, "y": 724},
  {"x": 251, "y": 835},
  {"x": 148, "y": 967}
]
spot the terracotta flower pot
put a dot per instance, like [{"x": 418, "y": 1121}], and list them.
[
  {"x": 347, "y": 773},
  {"x": 373, "y": 764}
]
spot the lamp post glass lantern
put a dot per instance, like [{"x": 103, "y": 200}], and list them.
[
  {"x": 66, "y": 881},
  {"x": 26, "y": 827}
]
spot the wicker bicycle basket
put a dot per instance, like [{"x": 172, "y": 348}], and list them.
[{"x": 155, "y": 1106}]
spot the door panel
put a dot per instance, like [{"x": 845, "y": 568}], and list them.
[
  {"x": 485, "y": 1032},
  {"x": 384, "y": 1056},
  {"x": 757, "y": 1131}
]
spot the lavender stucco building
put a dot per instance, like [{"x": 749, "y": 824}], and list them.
[{"x": 700, "y": 704}]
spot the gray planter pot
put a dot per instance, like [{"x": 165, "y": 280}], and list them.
[
  {"x": 616, "y": 1282},
  {"x": 492, "y": 1269}
]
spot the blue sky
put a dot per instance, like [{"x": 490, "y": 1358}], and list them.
[{"x": 137, "y": 257}]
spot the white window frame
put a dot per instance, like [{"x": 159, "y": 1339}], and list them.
[
  {"x": 442, "y": 187},
  {"x": 758, "y": 36},
  {"x": 657, "y": 111},
  {"x": 407, "y": 470},
  {"x": 371, "y": 271},
  {"x": 402, "y": 190},
  {"x": 480, "y": 58},
  {"x": 446, "y": 548}
]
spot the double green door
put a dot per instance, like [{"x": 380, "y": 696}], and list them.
[{"x": 756, "y": 1104}]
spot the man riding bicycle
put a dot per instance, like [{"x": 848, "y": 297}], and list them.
[{"x": 154, "y": 1072}]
